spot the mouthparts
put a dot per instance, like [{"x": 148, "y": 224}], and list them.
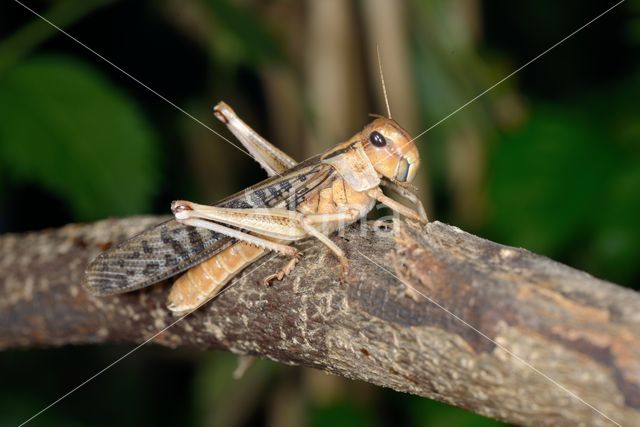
[{"x": 406, "y": 171}]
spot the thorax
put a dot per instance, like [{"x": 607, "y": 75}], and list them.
[{"x": 337, "y": 196}]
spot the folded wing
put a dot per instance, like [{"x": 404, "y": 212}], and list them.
[{"x": 170, "y": 248}]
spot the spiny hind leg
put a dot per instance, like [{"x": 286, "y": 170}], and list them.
[
  {"x": 184, "y": 217},
  {"x": 206, "y": 216},
  {"x": 272, "y": 160},
  {"x": 256, "y": 240}
]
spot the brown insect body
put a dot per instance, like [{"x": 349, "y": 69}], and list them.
[
  {"x": 203, "y": 281},
  {"x": 311, "y": 198},
  {"x": 399, "y": 157}
]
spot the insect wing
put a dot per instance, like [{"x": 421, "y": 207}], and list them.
[
  {"x": 151, "y": 256},
  {"x": 171, "y": 247}
]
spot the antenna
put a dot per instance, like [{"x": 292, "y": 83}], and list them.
[{"x": 384, "y": 88}]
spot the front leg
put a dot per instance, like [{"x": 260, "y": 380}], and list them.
[
  {"x": 377, "y": 194},
  {"x": 404, "y": 192}
]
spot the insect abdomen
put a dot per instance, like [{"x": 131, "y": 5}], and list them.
[{"x": 204, "y": 281}]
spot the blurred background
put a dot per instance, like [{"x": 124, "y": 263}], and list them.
[{"x": 549, "y": 160}]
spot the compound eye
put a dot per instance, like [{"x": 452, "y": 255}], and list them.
[{"x": 377, "y": 139}]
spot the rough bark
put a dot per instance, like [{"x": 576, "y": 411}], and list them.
[{"x": 581, "y": 332}]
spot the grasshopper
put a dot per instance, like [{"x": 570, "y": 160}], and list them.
[{"x": 309, "y": 199}]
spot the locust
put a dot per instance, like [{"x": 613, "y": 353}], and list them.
[{"x": 313, "y": 198}]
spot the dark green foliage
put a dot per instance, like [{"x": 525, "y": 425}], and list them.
[
  {"x": 66, "y": 128},
  {"x": 567, "y": 184},
  {"x": 546, "y": 179}
]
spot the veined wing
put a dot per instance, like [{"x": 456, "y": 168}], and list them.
[
  {"x": 150, "y": 257},
  {"x": 170, "y": 248}
]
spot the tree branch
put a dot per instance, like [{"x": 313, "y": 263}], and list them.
[{"x": 580, "y": 332}]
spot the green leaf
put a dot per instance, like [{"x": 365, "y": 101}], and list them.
[
  {"x": 64, "y": 127},
  {"x": 548, "y": 180}
]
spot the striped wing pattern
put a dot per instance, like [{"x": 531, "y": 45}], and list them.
[{"x": 170, "y": 248}]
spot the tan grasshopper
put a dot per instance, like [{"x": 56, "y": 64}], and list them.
[{"x": 309, "y": 199}]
